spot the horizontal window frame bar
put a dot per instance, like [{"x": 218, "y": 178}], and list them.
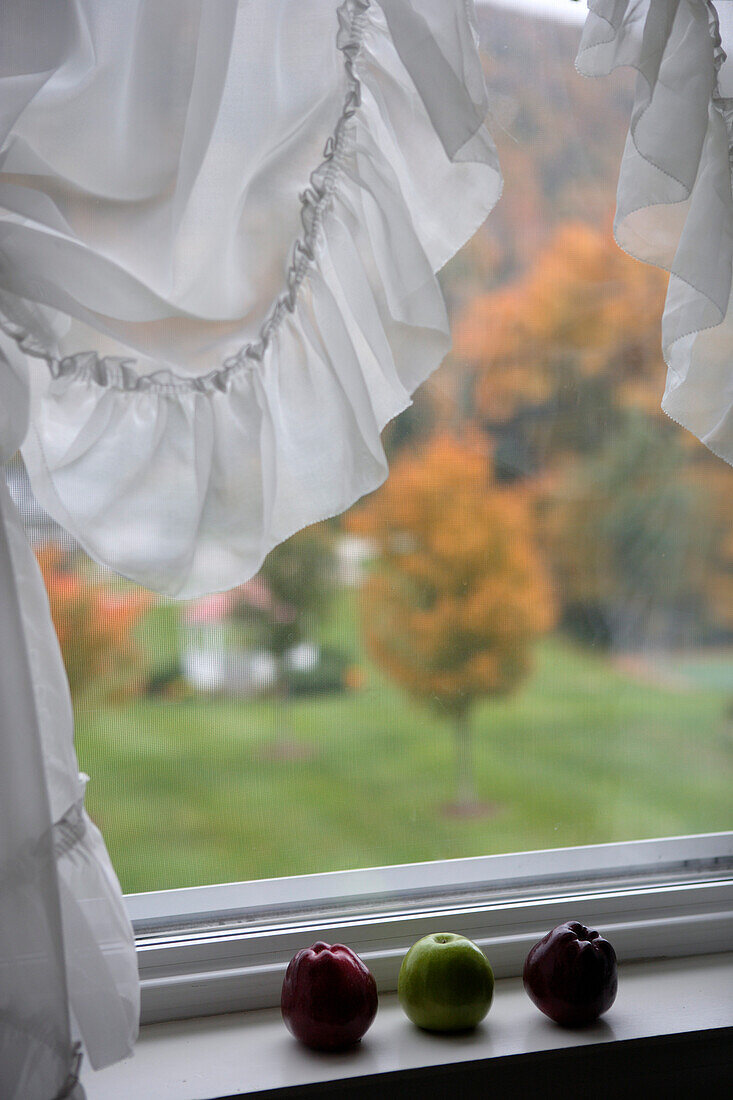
[
  {"x": 235, "y": 967},
  {"x": 267, "y": 901}
]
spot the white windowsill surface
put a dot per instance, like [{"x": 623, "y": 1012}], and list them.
[{"x": 242, "y": 1053}]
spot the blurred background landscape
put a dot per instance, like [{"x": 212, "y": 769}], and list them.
[{"x": 523, "y": 640}]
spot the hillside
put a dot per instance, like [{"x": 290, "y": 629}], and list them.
[{"x": 559, "y": 135}]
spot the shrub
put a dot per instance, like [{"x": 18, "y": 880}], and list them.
[{"x": 95, "y": 626}]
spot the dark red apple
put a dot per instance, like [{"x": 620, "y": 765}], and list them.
[
  {"x": 571, "y": 974},
  {"x": 329, "y": 997}
]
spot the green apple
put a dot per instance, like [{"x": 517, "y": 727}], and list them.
[{"x": 445, "y": 983}]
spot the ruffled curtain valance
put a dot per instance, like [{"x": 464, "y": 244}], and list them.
[
  {"x": 675, "y": 205},
  {"x": 220, "y": 224},
  {"x": 229, "y": 302}
]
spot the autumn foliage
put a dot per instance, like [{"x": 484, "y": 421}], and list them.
[
  {"x": 583, "y": 310},
  {"x": 460, "y": 592},
  {"x": 564, "y": 367},
  {"x": 94, "y": 624}
]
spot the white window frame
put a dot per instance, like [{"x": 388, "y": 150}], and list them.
[{"x": 212, "y": 949}]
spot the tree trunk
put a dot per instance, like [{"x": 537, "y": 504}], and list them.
[{"x": 465, "y": 790}]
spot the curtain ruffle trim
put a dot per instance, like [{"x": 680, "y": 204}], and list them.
[
  {"x": 100, "y": 950},
  {"x": 99, "y": 942},
  {"x": 185, "y": 485},
  {"x": 118, "y": 373},
  {"x": 675, "y": 198}
]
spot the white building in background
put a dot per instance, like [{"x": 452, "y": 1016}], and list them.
[{"x": 352, "y": 555}]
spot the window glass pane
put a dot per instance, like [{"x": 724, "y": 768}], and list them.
[{"x": 524, "y": 640}]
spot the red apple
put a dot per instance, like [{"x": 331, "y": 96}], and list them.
[
  {"x": 571, "y": 974},
  {"x": 329, "y": 997}
]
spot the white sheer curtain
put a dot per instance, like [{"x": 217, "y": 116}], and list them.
[
  {"x": 66, "y": 947},
  {"x": 675, "y": 208},
  {"x": 220, "y": 223}
]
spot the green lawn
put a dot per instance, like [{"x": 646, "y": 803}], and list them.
[{"x": 199, "y": 791}]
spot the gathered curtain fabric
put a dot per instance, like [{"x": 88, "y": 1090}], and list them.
[
  {"x": 220, "y": 227},
  {"x": 675, "y": 204}
]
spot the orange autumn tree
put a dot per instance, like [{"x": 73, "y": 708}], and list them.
[
  {"x": 577, "y": 333},
  {"x": 94, "y": 624},
  {"x": 460, "y": 592},
  {"x": 564, "y": 366}
]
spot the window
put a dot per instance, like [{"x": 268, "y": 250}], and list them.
[
  {"x": 523, "y": 642},
  {"x": 223, "y": 948}
]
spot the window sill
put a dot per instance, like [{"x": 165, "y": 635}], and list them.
[
  {"x": 214, "y": 949},
  {"x": 671, "y": 1018}
]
